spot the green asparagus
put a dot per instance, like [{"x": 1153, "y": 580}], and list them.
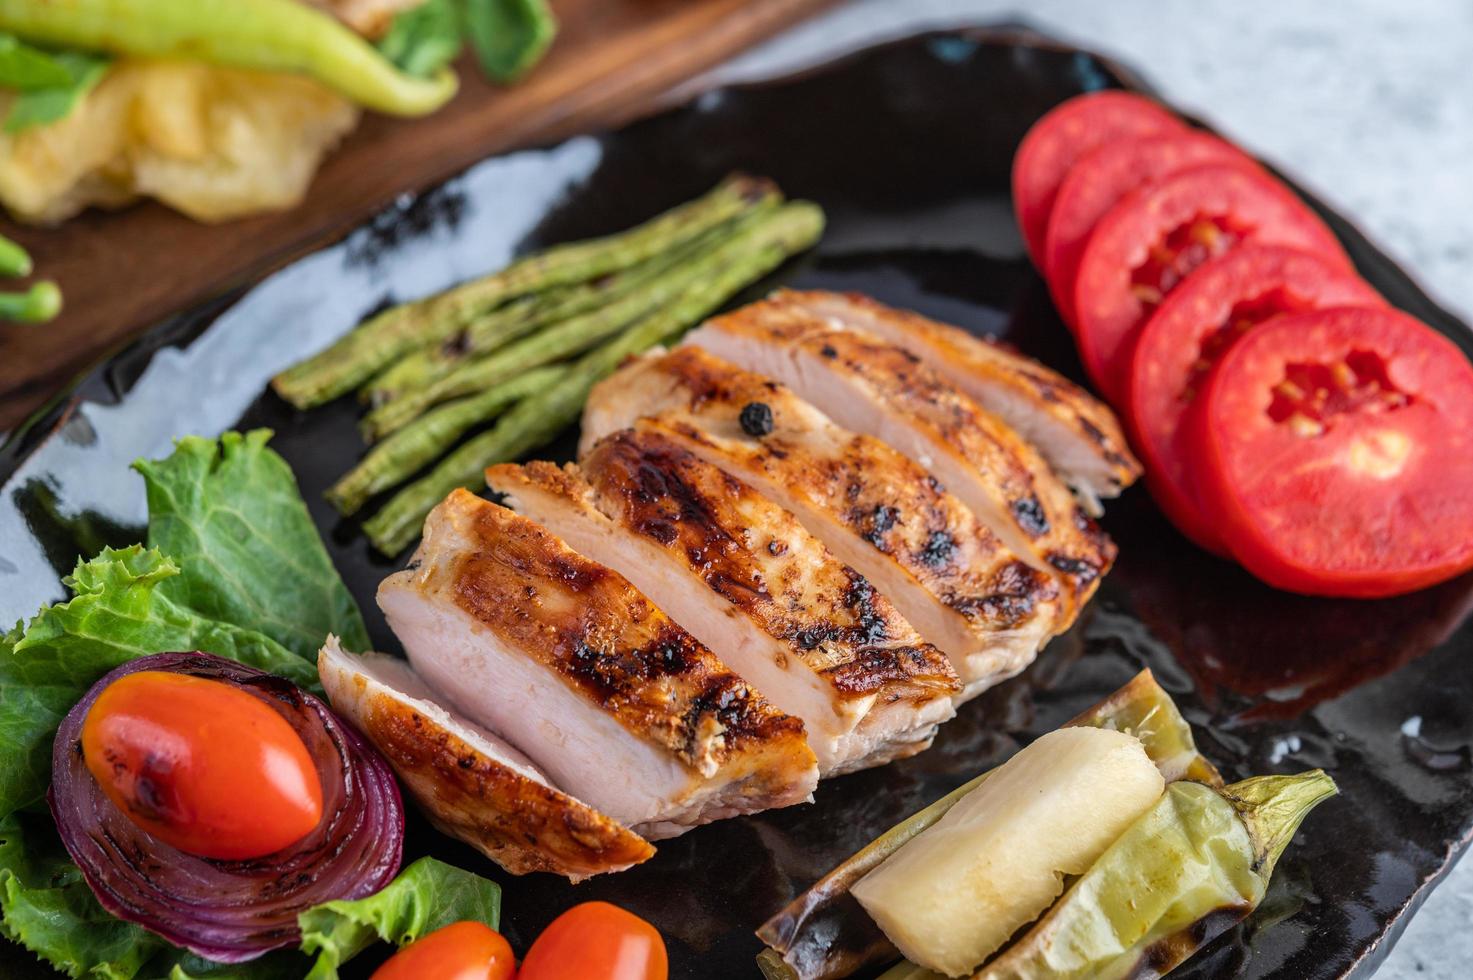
[
  {"x": 537, "y": 419},
  {"x": 557, "y": 342},
  {"x": 388, "y": 336},
  {"x": 415, "y": 446},
  {"x": 424, "y": 367},
  {"x": 526, "y": 315}
]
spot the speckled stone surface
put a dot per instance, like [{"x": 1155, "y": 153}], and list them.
[{"x": 1369, "y": 103}]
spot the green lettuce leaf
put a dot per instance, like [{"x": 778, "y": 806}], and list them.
[
  {"x": 509, "y": 36},
  {"x": 46, "y": 906},
  {"x": 426, "y": 896},
  {"x": 120, "y": 611},
  {"x": 252, "y": 582},
  {"x": 229, "y": 513},
  {"x": 424, "y": 39}
]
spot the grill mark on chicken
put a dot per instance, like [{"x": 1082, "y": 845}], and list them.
[
  {"x": 613, "y": 644},
  {"x": 883, "y": 390},
  {"x": 659, "y": 501},
  {"x": 744, "y": 576},
  {"x": 985, "y": 366},
  {"x": 471, "y": 789},
  {"x": 989, "y": 598},
  {"x": 881, "y": 496}
]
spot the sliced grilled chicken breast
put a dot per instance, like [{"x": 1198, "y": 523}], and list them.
[
  {"x": 869, "y": 385},
  {"x": 474, "y": 786},
  {"x": 744, "y": 577},
  {"x": 876, "y": 510},
  {"x": 1075, "y": 432},
  {"x": 563, "y": 658}
]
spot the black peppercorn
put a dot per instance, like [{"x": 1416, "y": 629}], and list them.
[{"x": 756, "y": 419}]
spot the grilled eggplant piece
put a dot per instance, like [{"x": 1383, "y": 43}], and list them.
[
  {"x": 473, "y": 786},
  {"x": 563, "y": 658},
  {"x": 877, "y": 511},
  {"x": 744, "y": 577},
  {"x": 872, "y": 386},
  {"x": 1075, "y": 432}
]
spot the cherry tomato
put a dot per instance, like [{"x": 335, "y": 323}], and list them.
[
  {"x": 1105, "y": 175},
  {"x": 1188, "y": 334},
  {"x": 459, "y": 951},
  {"x": 596, "y": 941},
  {"x": 1157, "y": 235},
  {"x": 1335, "y": 448},
  {"x": 204, "y": 766},
  {"x": 1063, "y": 135}
]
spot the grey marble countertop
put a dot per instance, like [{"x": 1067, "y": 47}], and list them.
[{"x": 1366, "y": 102}]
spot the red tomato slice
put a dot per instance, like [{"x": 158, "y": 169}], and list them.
[
  {"x": 1153, "y": 239},
  {"x": 1105, "y": 175},
  {"x": 1189, "y": 333},
  {"x": 1064, "y": 134},
  {"x": 1335, "y": 449}
]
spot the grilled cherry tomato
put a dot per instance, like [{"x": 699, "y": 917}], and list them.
[
  {"x": 1157, "y": 235},
  {"x": 1186, "y": 336},
  {"x": 205, "y": 767},
  {"x": 1105, "y": 175},
  {"x": 1062, "y": 136},
  {"x": 596, "y": 941},
  {"x": 459, "y": 951},
  {"x": 1335, "y": 448}
]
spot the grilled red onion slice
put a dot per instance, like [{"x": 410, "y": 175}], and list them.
[{"x": 232, "y": 911}]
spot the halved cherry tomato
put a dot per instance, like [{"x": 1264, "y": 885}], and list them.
[
  {"x": 202, "y": 765},
  {"x": 459, "y": 951},
  {"x": 1189, "y": 333},
  {"x": 1064, "y": 134},
  {"x": 1335, "y": 448},
  {"x": 597, "y": 941},
  {"x": 1157, "y": 235},
  {"x": 1101, "y": 178}
]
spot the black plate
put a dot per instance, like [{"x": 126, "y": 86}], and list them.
[{"x": 907, "y": 147}]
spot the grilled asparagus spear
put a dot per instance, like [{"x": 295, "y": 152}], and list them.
[
  {"x": 405, "y": 452},
  {"x": 748, "y": 256},
  {"x": 401, "y": 329}
]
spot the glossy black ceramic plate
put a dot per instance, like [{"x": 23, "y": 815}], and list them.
[{"x": 907, "y": 147}]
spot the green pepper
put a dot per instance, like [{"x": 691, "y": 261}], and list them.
[
  {"x": 265, "y": 35},
  {"x": 1189, "y": 868},
  {"x": 824, "y": 933}
]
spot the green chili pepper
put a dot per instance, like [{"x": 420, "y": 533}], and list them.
[
  {"x": 265, "y": 35},
  {"x": 1189, "y": 868},
  {"x": 36, "y": 305},
  {"x": 824, "y": 933}
]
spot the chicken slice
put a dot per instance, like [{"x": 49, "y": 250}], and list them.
[
  {"x": 474, "y": 786},
  {"x": 872, "y": 386},
  {"x": 563, "y": 658},
  {"x": 1075, "y": 431},
  {"x": 745, "y": 579},
  {"x": 876, "y": 510}
]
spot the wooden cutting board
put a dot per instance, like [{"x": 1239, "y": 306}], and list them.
[{"x": 121, "y": 272}]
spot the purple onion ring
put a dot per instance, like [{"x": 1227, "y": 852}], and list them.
[{"x": 233, "y": 911}]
